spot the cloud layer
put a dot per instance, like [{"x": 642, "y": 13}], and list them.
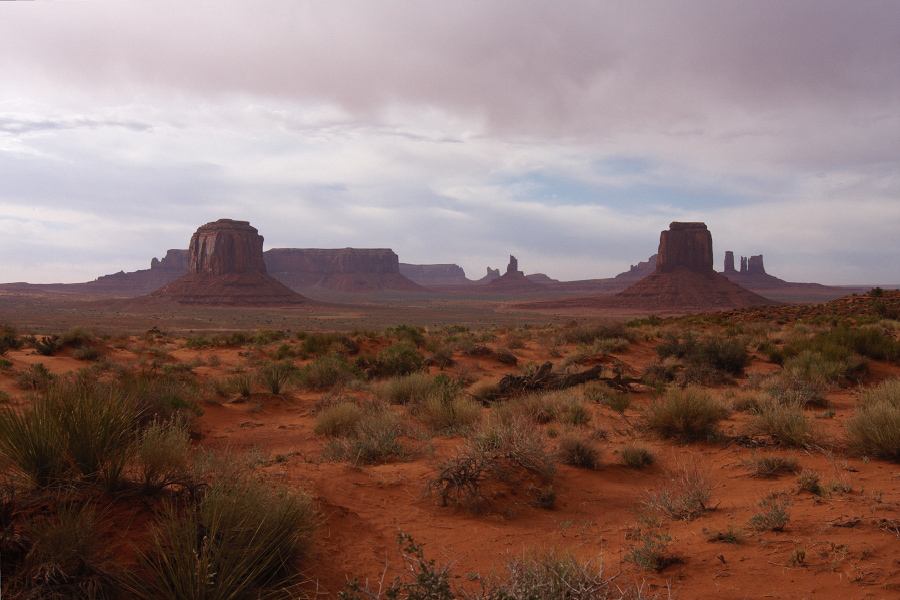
[{"x": 569, "y": 135}]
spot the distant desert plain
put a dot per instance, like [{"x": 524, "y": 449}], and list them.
[{"x": 289, "y": 422}]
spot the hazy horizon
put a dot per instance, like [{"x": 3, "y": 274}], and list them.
[{"x": 568, "y": 135}]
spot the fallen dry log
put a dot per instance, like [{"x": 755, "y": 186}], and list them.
[{"x": 545, "y": 379}]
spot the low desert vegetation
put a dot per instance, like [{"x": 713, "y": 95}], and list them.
[
  {"x": 124, "y": 443},
  {"x": 691, "y": 414}
]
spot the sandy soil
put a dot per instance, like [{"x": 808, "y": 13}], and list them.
[{"x": 843, "y": 544}]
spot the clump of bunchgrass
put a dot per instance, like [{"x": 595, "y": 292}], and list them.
[
  {"x": 577, "y": 451},
  {"x": 686, "y": 415},
  {"x": 785, "y": 425},
  {"x": 771, "y": 466},
  {"x": 636, "y": 457}
]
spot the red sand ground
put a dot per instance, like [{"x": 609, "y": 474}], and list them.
[{"x": 849, "y": 540}]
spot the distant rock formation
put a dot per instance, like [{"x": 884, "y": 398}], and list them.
[
  {"x": 640, "y": 270},
  {"x": 753, "y": 265},
  {"x": 513, "y": 280},
  {"x": 686, "y": 246},
  {"x": 729, "y": 263},
  {"x": 224, "y": 247},
  {"x": 541, "y": 278},
  {"x": 226, "y": 268},
  {"x": 175, "y": 260},
  {"x": 441, "y": 274},
  {"x": 684, "y": 280},
  {"x": 343, "y": 269},
  {"x": 492, "y": 274}
]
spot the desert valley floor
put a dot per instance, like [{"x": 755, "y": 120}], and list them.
[{"x": 744, "y": 509}]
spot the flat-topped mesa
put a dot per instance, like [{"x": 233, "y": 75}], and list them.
[
  {"x": 380, "y": 261},
  {"x": 729, "y": 263},
  {"x": 225, "y": 247},
  {"x": 686, "y": 245}
]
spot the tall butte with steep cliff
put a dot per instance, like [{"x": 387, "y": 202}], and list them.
[
  {"x": 684, "y": 276},
  {"x": 226, "y": 268}
]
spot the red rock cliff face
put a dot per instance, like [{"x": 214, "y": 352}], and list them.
[
  {"x": 174, "y": 259},
  {"x": 225, "y": 247},
  {"x": 380, "y": 261},
  {"x": 687, "y": 245}
]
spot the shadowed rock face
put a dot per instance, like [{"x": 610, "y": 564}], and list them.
[
  {"x": 687, "y": 245},
  {"x": 225, "y": 247},
  {"x": 442, "y": 274},
  {"x": 381, "y": 261},
  {"x": 174, "y": 259},
  {"x": 729, "y": 263}
]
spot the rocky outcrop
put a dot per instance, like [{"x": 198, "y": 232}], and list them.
[
  {"x": 514, "y": 280},
  {"x": 640, "y": 270},
  {"x": 175, "y": 260},
  {"x": 492, "y": 274},
  {"x": 341, "y": 270},
  {"x": 687, "y": 246},
  {"x": 684, "y": 281},
  {"x": 226, "y": 246},
  {"x": 445, "y": 274},
  {"x": 729, "y": 263},
  {"x": 752, "y": 265},
  {"x": 226, "y": 268}
]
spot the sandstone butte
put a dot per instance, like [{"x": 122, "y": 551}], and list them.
[
  {"x": 226, "y": 268},
  {"x": 683, "y": 279}
]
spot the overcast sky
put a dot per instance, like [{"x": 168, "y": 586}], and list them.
[{"x": 567, "y": 133}]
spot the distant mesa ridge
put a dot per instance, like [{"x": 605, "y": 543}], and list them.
[
  {"x": 343, "y": 269},
  {"x": 439, "y": 274},
  {"x": 226, "y": 268}
]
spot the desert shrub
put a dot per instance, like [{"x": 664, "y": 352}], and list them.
[
  {"x": 76, "y": 336},
  {"x": 636, "y": 457},
  {"x": 874, "y": 430},
  {"x": 791, "y": 388},
  {"x": 197, "y": 341},
  {"x": 276, "y": 376},
  {"x": 338, "y": 419},
  {"x": 30, "y": 443},
  {"x": 264, "y": 337},
  {"x": 771, "y": 466},
  {"x": 48, "y": 345},
  {"x": 90, "y": 353},
  {"x": 242, "y": 540},
  {"x": 34, "y": 378},
  {"x": 442, "y": 358},
  {"x": 715, "y": 354},
  {"x": 552, "y": 574},
  {"x": 810, "y": 481},
  {"x": 684, "y": 494},
  {"x": 400, "y": 359},
  {"x": 652, "y": 552},
  {"x": 886, "y": 392},
  {"x": 731, "y": 535},
  {"x": 448, "y": 411},
  {"x": 686, "y": 415},
  {"x": 588, "y": 334},
  {"x": 404, "y": 389},
  {"x": 327, "y": 371},
  {"x": 320, "y": 344},
  {"x": 775, "y": 514},
  {"x": 410, "y": 333},
  {"x": 871, "y": 342},
  {"x": 161, "y": 455},
  {"x": 786, "y": 425},
  {"x": 163, "y": 397},
  {"x": 9, "y": 338},
  {"x": 487, "y": 392},
  {"x": 5, "y": 365},
  {"x": 505, "y": 357},
  {"x": 578, "y": 452},
  {"x": 96, "y": 423},
  {"x": 241, "y": 384},
  {"x": 509, "y": 458},
  {"x": 831, "y": 367},
  {"x": 67, "y": 559},
  {"x": 374, "y": 439}
]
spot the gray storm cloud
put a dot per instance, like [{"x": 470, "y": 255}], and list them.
[{"x": 377, "y": 113}]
